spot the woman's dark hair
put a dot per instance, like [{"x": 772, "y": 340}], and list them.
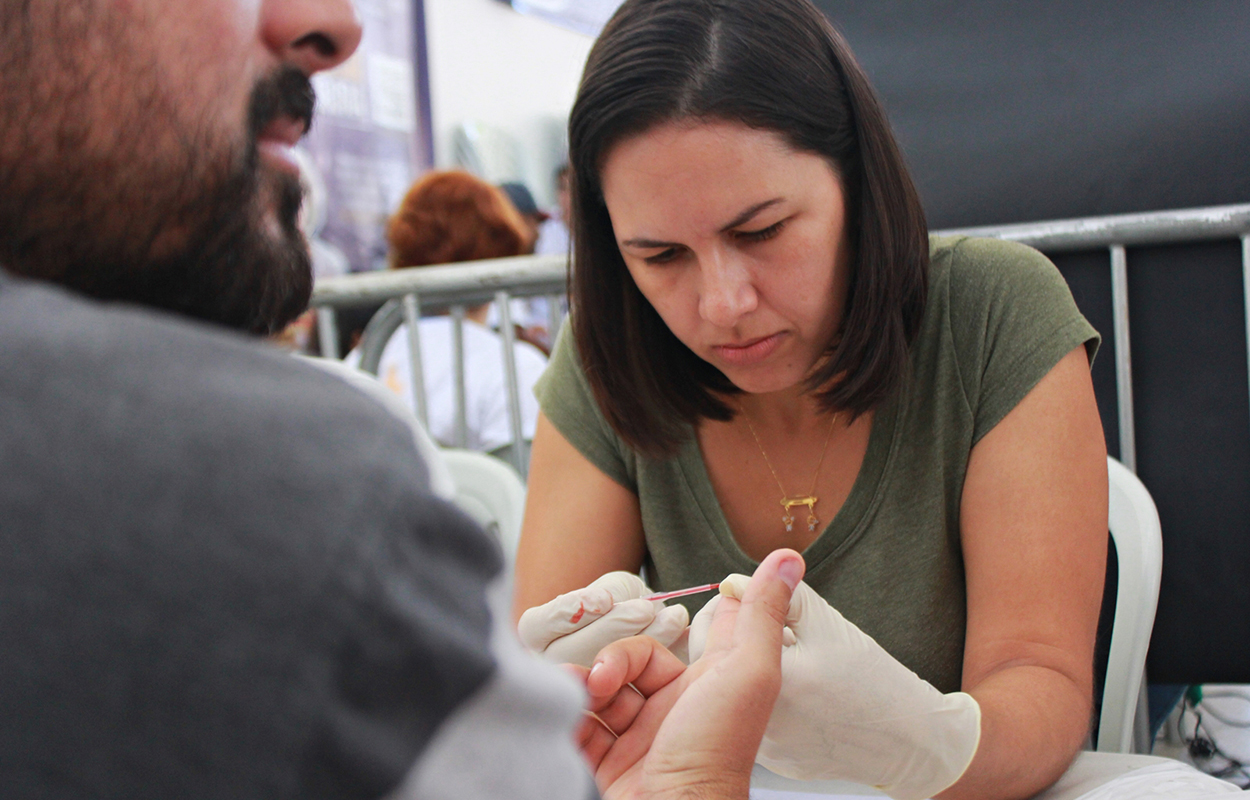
[{"x": 775, "y": 65}]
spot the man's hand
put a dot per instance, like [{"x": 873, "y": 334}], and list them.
[{"x": 664, "y": 730}]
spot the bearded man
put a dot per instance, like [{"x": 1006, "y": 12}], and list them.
[{"x": 222, "y": 576}]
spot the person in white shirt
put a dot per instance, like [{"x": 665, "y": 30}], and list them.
[
  {"x": 448, "y": 217},
  {"x": 553, "y": 233},
  {"x": 532, "y": 315},
  {"x": 486, "y": 394}
]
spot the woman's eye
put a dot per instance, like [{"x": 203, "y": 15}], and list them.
[
  {"x": 662, "y": 257},
  {"x": 762, "y": 234}
]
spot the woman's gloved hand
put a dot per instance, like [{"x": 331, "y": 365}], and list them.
[
  {"x": 849, "y": 711},
  {"x": 575, "y": 626}
]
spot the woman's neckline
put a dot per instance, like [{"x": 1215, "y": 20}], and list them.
[{"x": 844, "y": 527}]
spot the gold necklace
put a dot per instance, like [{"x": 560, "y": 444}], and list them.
[{"x": 788, "y": 502}]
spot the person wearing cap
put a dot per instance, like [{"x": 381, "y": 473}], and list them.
[
  {"x": 553, "y": 235},
  {"x": 524, "y": 203},
  {"x": 530, "y": 315}
]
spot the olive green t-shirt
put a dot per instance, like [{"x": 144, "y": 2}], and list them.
[{"x": 999, "y": 317}]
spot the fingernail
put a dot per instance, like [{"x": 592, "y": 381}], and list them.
[
  {"x": 595, "y": 667},
  {"x": 791, "y": 571}
]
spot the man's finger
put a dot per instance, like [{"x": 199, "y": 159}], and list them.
[
  {"x": 811, "y": 615},
  {"x": 700, "y": 626},
  {"x": 639, "y": 660},
  {"x": 766, "y": 603},
  {"x": 619, "y": 711},
  {"x": 594, "y": 740}
]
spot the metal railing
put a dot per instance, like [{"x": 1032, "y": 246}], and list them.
[
  {"x": 454, "y": 287},
  {"x": 459, "y": 285},
  {"x": 1116, "y": 233}
]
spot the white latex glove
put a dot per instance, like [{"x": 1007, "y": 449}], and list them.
[
  {"x": 696, "y": 634},
  {"x": 575, "y": 626},
  {"x": 849, "y": 711}
]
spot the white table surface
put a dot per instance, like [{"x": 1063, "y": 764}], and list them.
[{"x": 1090, "y": 772}]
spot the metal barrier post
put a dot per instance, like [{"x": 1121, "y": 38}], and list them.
[
  {"x": 459, "y": 392},
  {"x": 1123, "y": 357},
  {"x": 412, "y": 319},
  {"x": 554, "y": 316},
  {"x": 508, "y": 337},
  {"x": 328, "y": 332},
  {"x": 1245, "y": 279}
]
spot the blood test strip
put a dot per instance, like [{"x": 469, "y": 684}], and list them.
[{"x": 707, "y": 587}]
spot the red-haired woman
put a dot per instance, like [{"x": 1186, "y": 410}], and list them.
[{"x": 448, "y": 217}]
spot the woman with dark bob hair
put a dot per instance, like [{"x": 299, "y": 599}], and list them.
[{"x": 760, "y": 313}]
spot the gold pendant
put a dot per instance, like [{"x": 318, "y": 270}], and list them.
[{"x": 787, "y": 518}]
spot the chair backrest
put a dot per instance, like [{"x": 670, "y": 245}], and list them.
[
  {"x": 1134, "y": 524},
  {"x": 491, "y": 492}
]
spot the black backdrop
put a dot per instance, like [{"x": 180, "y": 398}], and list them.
[{"x": 1023, "y": 111}]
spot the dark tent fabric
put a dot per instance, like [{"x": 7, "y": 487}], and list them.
[
  {"x": 1014, "y": 112},
  {"x": 1025, "y": 111}
]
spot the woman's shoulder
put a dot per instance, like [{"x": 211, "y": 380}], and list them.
[
  {"x": 565, "y": 396},
  {"x": 1000, "y": 316},
  {"x": 981, "y": 274},
  {"x": 969, "y": 259},
  {"x": 564, "y": 369}
]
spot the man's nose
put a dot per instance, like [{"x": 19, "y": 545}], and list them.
[
  {"x": 314, "y": 35},
  {"x": 727, "y": 292}
]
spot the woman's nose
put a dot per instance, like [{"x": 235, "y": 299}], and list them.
[
  {"x": 727, "y": 292},
  {"x": 314, "y": 35}
]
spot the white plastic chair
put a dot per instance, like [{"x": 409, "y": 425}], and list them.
[
  {"x": 491, "y": 492},
  {"x": 1134, "y": 524}
]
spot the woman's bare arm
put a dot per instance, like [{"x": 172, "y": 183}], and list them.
[
  {"x": 579, "y": 523},
  {"x": 1034, "y": 532}
]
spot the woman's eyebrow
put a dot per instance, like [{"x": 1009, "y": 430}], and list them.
[
  {"x": 646, "y": 244},
  {"x": 742, "y": 218},
  {"x": 745, "y": 216}
]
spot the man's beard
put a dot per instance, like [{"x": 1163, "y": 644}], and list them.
[{"x": 225, "y": 247}]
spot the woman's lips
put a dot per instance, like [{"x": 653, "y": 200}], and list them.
[{"x": 749, "y": 352}]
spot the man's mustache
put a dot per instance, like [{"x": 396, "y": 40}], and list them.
[{"x": 285, "y": 93}]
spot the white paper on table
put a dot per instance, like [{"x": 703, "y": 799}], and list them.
[
  {"x": 1174, "y": 781},
  {"x": 779, "y": 794},
  {"x": 767, "y": 785}
]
